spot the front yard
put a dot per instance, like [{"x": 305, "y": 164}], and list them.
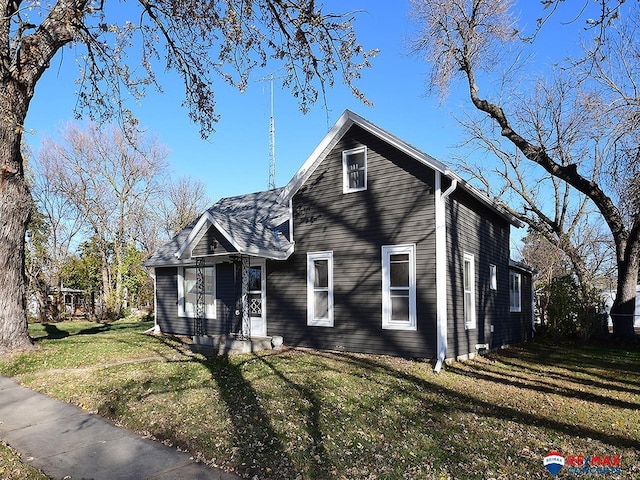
[{"x": 319, "y": 415}]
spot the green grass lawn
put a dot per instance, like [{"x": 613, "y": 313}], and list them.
[
  {"x": 13, "y": 468},
  {"x": 318, "y": 415}
]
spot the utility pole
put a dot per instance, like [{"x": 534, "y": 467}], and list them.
[{"x": 272, "y": 144}]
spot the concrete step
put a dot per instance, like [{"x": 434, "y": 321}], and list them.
[{"x": 229, "y": 344}]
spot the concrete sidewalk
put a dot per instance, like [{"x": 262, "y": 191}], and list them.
[{"x": 66, "y": 442}]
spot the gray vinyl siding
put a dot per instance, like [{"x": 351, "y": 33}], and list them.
[
  {"x": 475, "y": 229},
  {"x": 167, "y": 303},
  {"x": 397, "y": 208},
  {"x": 227, "y": 290},
  {"x": 517, "y": 326},
  {"x": 212, "y": 237},
  {"x": 228, "y": 294}
]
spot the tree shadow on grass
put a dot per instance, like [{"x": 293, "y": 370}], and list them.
[
  {"x": 608, "y": 364},
  {"x": 471, "y": 404},
  {"x": 318, "y": 454},
  {"x": 254, "y": 436},
  {"x": 260, "y": 447},
  {"x": 53, "y": 332},
  {"x": 476, "y": 371}
]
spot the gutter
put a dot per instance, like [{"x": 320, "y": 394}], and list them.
[{"x": 441, "y": 268}]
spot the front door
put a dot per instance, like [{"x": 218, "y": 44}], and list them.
[{"x": 257, "y": 298}]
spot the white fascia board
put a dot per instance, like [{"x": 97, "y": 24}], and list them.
[
  {"x": 225, "y": 234},
  {"x": 270, "y": 254},
  {"x": 316, "y": 157},
  {"x": 199, "y": 230},
  {"x": 513, "y": 264},
  {"x": 346, "y": 120},
  {"x": 433, "y": 163},
  {"x": 192, "y": 235},
  {"x": 401, "y": 145},
  {"x": 486, "y": 200}
]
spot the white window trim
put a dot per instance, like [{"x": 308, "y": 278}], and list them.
[
  {"x": 387, "y": 323},
  {"x": 518, "y": 307},
  {"x": 345, "y": 174},
  {"x": 181, "y": 310},
  {"x": 311, "y": 320},
  {"x": 493, "y": 277},
  {"x": 471, "y": 324}
]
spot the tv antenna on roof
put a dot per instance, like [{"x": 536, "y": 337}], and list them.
[{"x": 272, "y": 136}]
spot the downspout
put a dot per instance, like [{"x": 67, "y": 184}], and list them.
[{"x": 441, "y": 267}]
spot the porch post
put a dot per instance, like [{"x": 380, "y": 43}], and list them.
[
  {"x": 246, "y": 323},
  {"x": 198, "y": 329}
]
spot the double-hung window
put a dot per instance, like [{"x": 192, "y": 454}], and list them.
[
  {"x": 188, "y": 293},
  {"x": 468, "y": 280},
  {"x": 354, "y": 170},
  {"x": 514, "y": 292},
  {"x": 399, "y": 287},
  {"x": 320, "y": 289}
]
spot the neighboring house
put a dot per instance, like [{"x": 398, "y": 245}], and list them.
[
  {"x": 373, "y": 246},
  {"x": 608, "y": 298},
  {"x": 70, "y": 303}
]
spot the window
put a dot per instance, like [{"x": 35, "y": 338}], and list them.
[
  {"x": 468, "y": 279},
  {"x": 320, "y": 289},
  {"x": 399, "y": 287},
  {"x": 255, "y": 291},
  {"x": 514, "y": 292},
  {"x": 188, "y": 291},
  {"x": 493, "y": 277},
  {"x": 354, "y": 170}
]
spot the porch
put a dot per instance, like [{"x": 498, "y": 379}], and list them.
[
  {"x": 233, "y": 344},
  {"x": 233, "y": 286}
]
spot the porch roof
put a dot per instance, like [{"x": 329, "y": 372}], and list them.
[{"x": 255, "y": 224}]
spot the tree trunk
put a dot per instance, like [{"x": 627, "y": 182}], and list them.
[
  {"x": 41, "y": 296},
  {"x": 118, "y": 254},
  {"x": 15, "y": 209},
  {"x": 106, "y": 281},
  {"x": 623, "y": 308},
  {"x": 23, "y": 60}
]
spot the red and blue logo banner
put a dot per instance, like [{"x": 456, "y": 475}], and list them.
[
  {"x": 553, "y": 462},
  {"x": 583, "y": 464}
]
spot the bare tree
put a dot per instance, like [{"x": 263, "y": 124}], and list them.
[
  {"x": 112, "y": 183},
  {"x": 556, "y": 115},
  {"x": 185, "y": 198},
  {"x": 472, "y": 38},
  {"x": 180, "y": 201},
  {"x": 199, "y": 40},
  {"x": 54, "y": 225}
]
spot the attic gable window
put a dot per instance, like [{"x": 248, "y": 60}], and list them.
[{"x": 354, "y": 170}]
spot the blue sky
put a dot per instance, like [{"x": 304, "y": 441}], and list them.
[{"x": 235, "y": 159}]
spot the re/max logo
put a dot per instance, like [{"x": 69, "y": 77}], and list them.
[{"x": 592, "y": 461}]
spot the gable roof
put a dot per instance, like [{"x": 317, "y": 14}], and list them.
[
  {"x": 344, "y": 123},
  {"x": 254, "y": 224}
]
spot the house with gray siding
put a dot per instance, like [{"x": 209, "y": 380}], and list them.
[{"x": 373, "y": 246}]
